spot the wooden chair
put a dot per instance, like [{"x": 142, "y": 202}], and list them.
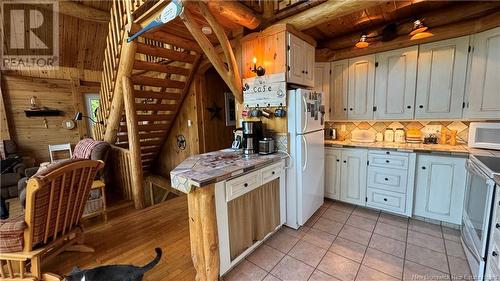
[
  {"x": 54, "y": 148},
  {"x": 54, "y": 206}
]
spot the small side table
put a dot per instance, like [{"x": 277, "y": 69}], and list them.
[{"x": 96, "y": 207}]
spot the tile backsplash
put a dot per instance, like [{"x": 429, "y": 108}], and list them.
[{"x": 426, "y": 127}]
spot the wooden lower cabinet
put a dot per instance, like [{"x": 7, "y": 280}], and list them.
[
  {"x": 440, "y": 187},
  {"x": 332, "y": 173}
]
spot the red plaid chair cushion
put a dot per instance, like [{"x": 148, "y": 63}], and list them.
[{"x": 11, "y": 234}]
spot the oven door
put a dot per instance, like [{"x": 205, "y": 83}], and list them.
[{"x": 477, "y": 210}]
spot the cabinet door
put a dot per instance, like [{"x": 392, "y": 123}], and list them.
[
  {"x": 441, "y": 79},
  {"x": 353, "y": 176},
  {"x": 332, "y": 173},
  {"x": 338, "y": 90},
  {"x": 322, "y": 84},
  {"x": 484, "y": 84},
  {"x": 361, "y": 87},
  {"x": 440, "y": 187},
  {"x": 396, "y": 78},
  {"x": 309, "y": 59},
  {"x": 296, "y": 60}
]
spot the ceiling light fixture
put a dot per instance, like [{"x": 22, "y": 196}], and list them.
[
  {"x": 363, "y": 42},
  {"x": 207, "y": 30},
  {"x": 418, "y": 30}
]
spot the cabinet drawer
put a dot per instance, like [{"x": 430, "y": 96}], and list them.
[
  {"x": 241, "y": 185},
  {"x": 388, "y": 179},
  {"x": 389, "y": 160},
  {"x": 386, "y": 200},
  {"x": 271, "y": 173}
]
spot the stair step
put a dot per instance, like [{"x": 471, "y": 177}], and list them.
[
  {"x": 150, "y": 66},
  {"x": 151, "y": 143},
  {"x": 150, "y": 149},
  {"x": 157, "y": 95},
  {"x": 164, "y": 53},
  {"x": 152, "y": 135},
  {"x": 153, "y": 127},
  {"x": 171, "y": 39},
  {"x": 155, "y": 107},
  {"x": 155, "y": 117},
  {"x": 157, "y": 82}
]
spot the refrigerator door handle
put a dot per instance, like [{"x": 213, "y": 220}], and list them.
[
  {"x": 304, "y": 112},
  {"x": 304, "y": 166}
]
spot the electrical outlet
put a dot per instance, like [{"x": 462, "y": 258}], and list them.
[
  {"x": 431, "y": 129},
  {"x": 190, "y": 123}
]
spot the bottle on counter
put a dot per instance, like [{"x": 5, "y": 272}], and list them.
[
  {"x": 453, "y": 137},
  {"x": 442, "y": 139},
  {"x": 399, "y": 135},
  {"x": 379, "y": 137},
  {"x": 389, "y": 135},
  {"x": 342, "y": 134}
]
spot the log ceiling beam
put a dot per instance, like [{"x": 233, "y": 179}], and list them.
[
  {"x": 456, "y": 13},
  {"x": 83, "y": 12},
  {"x": 327, "y": 11},
  {"x": 235, "y": 12}
]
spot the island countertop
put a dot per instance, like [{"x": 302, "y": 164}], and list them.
[{"x": 204, "y": 169}]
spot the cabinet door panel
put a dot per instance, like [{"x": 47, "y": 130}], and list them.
[
  {"x": 484, "y": 86},
  {"x": 332, "y": 173},
  {"x": 309, "y": 64},
  {"x": 440, "y": 188},
  {"x": 441, "y": 78},
  {"x": 396, "y": 77},
  {"x": 296, "y": 60},
  {"x": 322, "y": 84},
  {"x": 353, "y": 176},
  {"x": 361, "y": 87},
  {"x": 338, "y": 89}
]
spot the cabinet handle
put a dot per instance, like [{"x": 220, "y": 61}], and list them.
[
  {"x": 385, "y": 199},
  {"x": 387, "y": 161},
  {"x": 345, "y": 109},
  {"x": 497, "y": 225},
  {"x": 245, "y": 184},
  {"x": 494, "y": 254},
  {"x": 409, "y": 107},
  {"x": 386, "y": 179},
  {"x": 421, "y": 106},
  {"x": 338, "y": 160},
  {"x": 350, "y": 109},
  {"x": 387, "y": 152},
  {"x": 303, "y": 71},
  {"x": 273, "y": 172},
  {"x": 307, "y": 72},
  {"x": 423, "y": 168},
  {"x": 345, "y": 161}
]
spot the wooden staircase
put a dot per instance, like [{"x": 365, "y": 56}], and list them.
[{"x": 161, "y": 77}]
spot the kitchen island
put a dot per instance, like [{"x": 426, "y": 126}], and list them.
[{"x": 234, "y": 203}]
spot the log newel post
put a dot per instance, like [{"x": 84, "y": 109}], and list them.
[{"x": 133, "y": 140}]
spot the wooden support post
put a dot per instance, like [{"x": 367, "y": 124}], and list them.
[
  {"x": 4, "y": 124},
  {"x": 203, "y": 233},
  {"x": 79, "y": 105},
  {"x": 133, "y": 141},
  {"x": 125, "y": 67}
]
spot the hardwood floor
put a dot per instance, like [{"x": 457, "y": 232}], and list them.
[{"x": 130, "y": 237}]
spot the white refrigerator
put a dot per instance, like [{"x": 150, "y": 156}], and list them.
[{"x": 305, "y": 178}]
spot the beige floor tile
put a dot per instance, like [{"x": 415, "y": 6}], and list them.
[
  {"x": 338, "y": 266},
  {"x": 319, "y": 238},
  {"x": 336, "y": 215},
  {"x": 269, "y": 277},
  {"x": 414, "y": 271},
  {"x": 390, "y": 231},
  {"x": 348, "y": 249},
  {"x": 311, "y": 221},
  {"x": 341, "y": 206},
  {"x": 282, "y": 241},
  {"x": 393, "y": 220},
  {"x": 245, "y": 271},
  {"x": 383, "y": 262},
  {"x": 451, "y": 234},
  {"x": 265, "y": 257},
  {"x": 366, "y": 213},
  {"x": 327, "y": 203},
  {"x": 299, "y": 233},
  {"x": 355, "y": 234},
  {"x": 361, "y": 222},
  {"x": 291, "y": 269},
  {"x": 307, "y": 253},
  {"x": 426, "y": 257},
  {"x": 459, "y": 269},
  {"x": 320, "y": 211},
  {"x": 329, "y": 226},
  {"x": 426, "y": 240},
  {"x": 388, "y": 245},
  {"x": 425, "y": 227},
  {"x": 367, "y": 274},
  {"x": 455, "y": 249},
  {"x": 321, "y": 276}
]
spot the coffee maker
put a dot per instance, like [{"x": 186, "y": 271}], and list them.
[{"x": 252, "y": 134}]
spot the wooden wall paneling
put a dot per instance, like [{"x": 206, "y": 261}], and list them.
[
  {"x": 4, "y": 122},
  {"x": 30, "y": 134}
]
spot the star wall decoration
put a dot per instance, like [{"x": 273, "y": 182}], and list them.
[{"x": 215, "y": 111}]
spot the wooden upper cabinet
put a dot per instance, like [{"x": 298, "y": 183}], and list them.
[
  {"x": 322, "y": 84},
  {"x": 301, "y": 61},
  {"x": 338, "y": 89},
  {"x": 396, "y": 76},
  {"x": 269, "y": 50},
  {"x": 309, "y": 64},
  {"x": 483, "y": 91},
  {"x": 441, "y": 79},
  {"x": 361, "y": 87}
]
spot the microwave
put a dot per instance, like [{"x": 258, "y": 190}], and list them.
[{"x": 484, "y": 135}]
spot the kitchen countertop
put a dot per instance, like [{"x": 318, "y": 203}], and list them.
[
  {"x": 459, "y": 149},
  {"x": 204, "y": 169}
]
